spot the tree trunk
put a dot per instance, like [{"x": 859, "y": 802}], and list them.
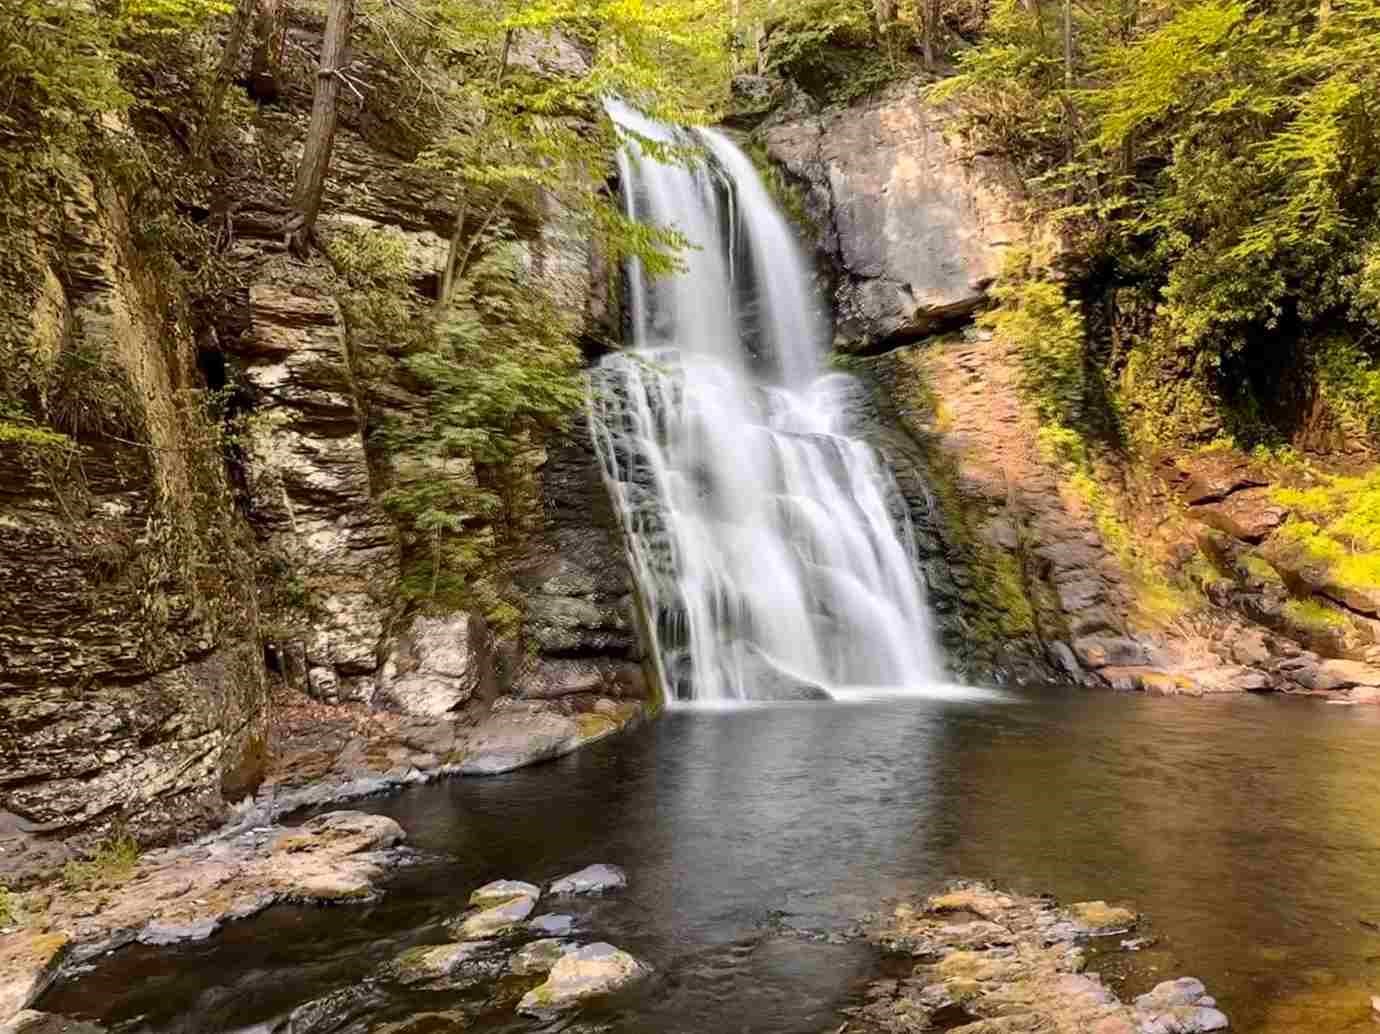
[
  {"x": 225, "y": 73},
  {"x": 270, "y": 35},
  {"x": 929, "y": 29},
  {"x": 885, "y": 13},
  {"x": 316, "y": 151}
]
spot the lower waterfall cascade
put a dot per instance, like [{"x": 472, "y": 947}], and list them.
[{"x": 772, "y": 551}]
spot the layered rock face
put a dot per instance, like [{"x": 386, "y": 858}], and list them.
[
  {"x": 914, "y": 229},
  {"x": 131, "y": 688},
  {"x": 152, "y": 600}
]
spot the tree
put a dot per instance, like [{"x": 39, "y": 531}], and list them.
[
  {"x": 316, "y": 149},
  {"x": 225, "y": 73},
  {"x": 270, "y": 35}
]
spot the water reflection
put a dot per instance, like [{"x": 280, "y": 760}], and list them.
[{"x": 1247, "y": 829}]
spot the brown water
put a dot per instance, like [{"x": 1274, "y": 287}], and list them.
[{"x": 1247, "y": 829}]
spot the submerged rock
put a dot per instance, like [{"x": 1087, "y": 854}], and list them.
[
  {"x": 553, "y": 925},
  {"x": 1098, "y": 919},
  {"x": 1180, "y": 1006},
  {"x": 29, "y": 1022},
  {"x": 501, "y": 919},
  {"x": 592, "y": 879},
  {"x": 538, "y": 956},
  {"x": 595, "y": 969},
  {"x": 501, "y": 891},
  {"x": 449, "y": 966}
]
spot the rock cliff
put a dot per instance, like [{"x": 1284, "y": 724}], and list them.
[
  {"x": 170, "y": 567},
  {"x": 1164, "y": 573}
]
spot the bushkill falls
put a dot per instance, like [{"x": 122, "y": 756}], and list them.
[{"x": 899, "y": 553}]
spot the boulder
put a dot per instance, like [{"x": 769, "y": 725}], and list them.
[
  {"x": 436, "y": 665},
  {"x": 552, "y": 925},
  {"x": 500, "y": 892},
  {"x": 588, "y": 972},
  {"x": 1249, "y": 514},
  {"x": 1212, "y": 475},
  {"x": 593, "y": 879},
  {"x": 492, "y": 922},
  {"x": 1101, "y": 651},
  {"x": 1178, "y": 1007},
  {"x": 538, "y": 956},
  {"x": 1099, "y": 919},
  {"x": 448, "y": 966}
]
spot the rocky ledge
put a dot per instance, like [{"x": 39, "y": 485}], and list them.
[
  {"x": 187, "y": 893},
  {"x": 985, "y": 962}
]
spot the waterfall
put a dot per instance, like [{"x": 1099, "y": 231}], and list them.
[{"x": 772, "y": 551}]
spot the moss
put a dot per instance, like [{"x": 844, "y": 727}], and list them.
[
  {"x": 784, "y": 191},
  {"x": 1336, "y": 527},
  {"x": 591, "y": 726},
  {"x": 1259, "y": 569},
  {"x": 1314, "y": 616},
  {"x": 112, "y": 864},
  {"x": 9, "y": 907}
]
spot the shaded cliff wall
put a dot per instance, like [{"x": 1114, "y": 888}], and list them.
[
  {"x": 190, "y": 504},
  {"x": 131, "y": 689}
]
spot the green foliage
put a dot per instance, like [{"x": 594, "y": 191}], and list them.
[
  {"x": 828, "y": 48},
  {"x": 1348, "y": 378},
  {"x": 1219, "y": 155},
  {"x": 111, "y": 864},
  {"x": 1314, "y": 616},
  {"x": 9, "y": 908},
  {"x": 499, "y": 371},
  {"x": 1336, "y": 527},
  {"x": 1035, "y": 316}
]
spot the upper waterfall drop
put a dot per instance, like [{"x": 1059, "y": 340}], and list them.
[{"x": 772, "y": 550}]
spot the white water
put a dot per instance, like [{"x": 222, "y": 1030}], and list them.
[{"x": 771, "y": 549}]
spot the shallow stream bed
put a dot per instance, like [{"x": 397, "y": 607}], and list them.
[{"x": 1247, "y": 829}]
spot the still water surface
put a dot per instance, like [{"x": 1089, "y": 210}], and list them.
[{"x": 1247, "y": 829}]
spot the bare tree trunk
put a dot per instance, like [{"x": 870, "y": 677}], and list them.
[
  {"x": 884, "y": 11},
  {"x": 270, "y": 35},
  {"x": 316, "y": 151},
  {"x": 928, "y": 11},
  {"x": 225, "y": 73}
]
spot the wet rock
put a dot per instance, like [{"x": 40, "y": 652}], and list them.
[
  {"x": 29, "y": 1022},
  {"x": 1101, "y": 651},
  {"x": 492, "y": 922},
  {"x": 448, "y": 966},
  {"x": 553, "y": 925},
  {"x": 593, "y": 879},
  {"x": 331, "y": 1012},
  {"x": 500, "y": 892},
  {"x": 1375, "y": 1006},
  {"x": 1098, "y": 919},
  {"x": 523, "y": 734},
  {"x": 436, "y": 665},
  {"x": 538, "y": 956},
  {"x": 1178, "y": 1007},
  {"x": 1031, "y": 979},
  {"x": 587, "y": 972},
  {"x": 764, "y": 679},
  {"x": 1139, "y": 943},
  {"x": 187, "y": 893}
]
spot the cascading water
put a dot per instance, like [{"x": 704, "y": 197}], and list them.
[{"x": 770, "y": 548}]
